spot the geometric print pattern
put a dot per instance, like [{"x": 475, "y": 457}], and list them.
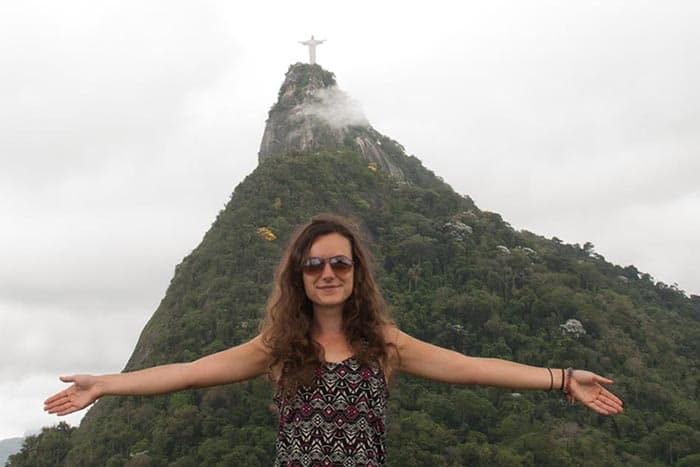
[{"x": 339, "y": 421}]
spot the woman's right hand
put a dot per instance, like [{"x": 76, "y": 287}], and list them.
[{"x": 83, "y": 392}]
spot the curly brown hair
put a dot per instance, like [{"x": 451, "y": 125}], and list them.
[{"x": 289, "y": 313}]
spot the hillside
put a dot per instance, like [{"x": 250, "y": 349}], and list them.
[
  {"x": 8, "y": 447},
  {"x": 455, "y": 275}
]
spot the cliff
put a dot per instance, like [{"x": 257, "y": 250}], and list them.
[{"x": 313, "y": 114}]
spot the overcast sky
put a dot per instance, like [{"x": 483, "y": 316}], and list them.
[{"x": 125, "y": 126}]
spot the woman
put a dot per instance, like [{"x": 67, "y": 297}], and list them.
[{"x": 329, "y": 345}]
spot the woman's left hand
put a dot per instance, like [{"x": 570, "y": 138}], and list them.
[{"x": 587, "y": 388}]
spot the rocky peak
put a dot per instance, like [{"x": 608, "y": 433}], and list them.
[{"x": 312, "y": 113}]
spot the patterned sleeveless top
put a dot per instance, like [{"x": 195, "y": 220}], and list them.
[{"x": 338, "y": 422}]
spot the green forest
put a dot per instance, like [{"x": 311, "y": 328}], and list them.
[{"x": 454, "y": 275}]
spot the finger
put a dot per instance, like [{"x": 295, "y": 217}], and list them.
[
  {"x": 601, "y": 406},
  {"x": 611, "y": 396},
  {"x": 602, "y": 380},
  {"x": 68, "y": 410},
  {"x": 599, "y": 392},
  {"x": 67, "y": 379},
  {"x": 53, "y": 398},
  {"x": 598, "y": 407},
  {"x": 57, "y": 396},
  {"x": 50, "y": 406},
  {"x": 609, "y": 409},
  {"x": 60, "y": 408},
  {"x": 56, "y": 400},
  {"x": 611, "y": 400},
  {"x": 615, "y": 403},
  {"x": 608, "y": 401}
]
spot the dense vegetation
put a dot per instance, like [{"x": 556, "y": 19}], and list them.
[{"x": 456, "y": 276}]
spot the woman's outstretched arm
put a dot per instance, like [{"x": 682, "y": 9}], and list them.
[
  {"x": 239, "y": 363},
  {"x": 429, "y": 361}
]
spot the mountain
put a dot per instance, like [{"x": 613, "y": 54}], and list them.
[
  {"x": 313, "y": 114},
  {"x": 455, "y": 275},
  {"x": 8, "y": 447}
]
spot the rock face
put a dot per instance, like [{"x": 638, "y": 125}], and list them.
[{"x": 313, "y": 113}]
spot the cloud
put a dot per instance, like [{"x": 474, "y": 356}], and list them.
[
  {"x": 56, "y": 338},
  {"x": 336, "y": 108},
  {"x": 89, "y": 79},
  {"x": 45, "y": 341},
  {"x": 25, "y": 416}
]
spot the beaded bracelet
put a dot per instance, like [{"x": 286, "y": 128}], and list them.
[{"x": 569, "y": 375}]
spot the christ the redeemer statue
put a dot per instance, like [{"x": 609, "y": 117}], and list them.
[{"x": 312, "y": 43}]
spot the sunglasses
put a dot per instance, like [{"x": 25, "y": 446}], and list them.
[{"x": 339, "y": 264}]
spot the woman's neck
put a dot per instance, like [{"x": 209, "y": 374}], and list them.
[
  {"x": 327, "y": 321},
  {"x": 327, "y": 331}
]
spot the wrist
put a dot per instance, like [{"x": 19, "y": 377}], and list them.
[
  {"x": 566, "y": 383},
  {"x": 100, "y": 386},
  {"x": 562, "y": 382}
]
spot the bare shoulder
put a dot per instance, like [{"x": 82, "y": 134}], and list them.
[
  {"x": 391, "y": 334},
  {"x": 396, "y": 341},
  {"x": 259, "y": 343},
  {"x": 397, "y": 338},
  {"x": 259, "y": 348},
  {"x": 254, "y": 355}
]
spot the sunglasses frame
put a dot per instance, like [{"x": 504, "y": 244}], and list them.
[{"x": 339, "y": 264}]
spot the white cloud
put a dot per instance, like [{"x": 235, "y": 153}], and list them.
[
  {"x": 336, "y": 108},
  {"x": 22, "y": 412}
]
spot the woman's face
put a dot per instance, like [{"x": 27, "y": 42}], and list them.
[{"x": 329, "y": 288}]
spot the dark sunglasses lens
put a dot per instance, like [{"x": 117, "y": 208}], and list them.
[
  {"x": 340, "y": 263},
  {"x": 313, "y": 265},
  {"x": 316, "y": 265}
]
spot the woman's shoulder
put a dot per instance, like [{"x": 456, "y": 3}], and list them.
[
  {"x": 392, "y": 338},
  {"x": 391, "y": 333}
]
